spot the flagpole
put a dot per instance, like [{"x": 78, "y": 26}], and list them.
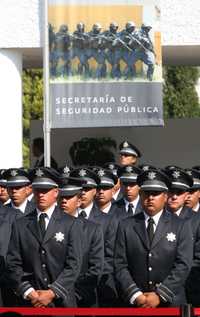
[{"x": 46, "y": 107}]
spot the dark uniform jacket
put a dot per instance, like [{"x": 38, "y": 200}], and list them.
[
  {"x": 161, "y": 267},
  {"x": 52, "y": 262},
  {"x": 193, "y": 280},
  {"x": 30, "y": 206},
  {"x": 92, "y": 265},
  {"x": 121, "y": 205},
  {"x": 107, "y": 294}
]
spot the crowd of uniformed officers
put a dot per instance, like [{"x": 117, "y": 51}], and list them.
[
  {"x": 108, "y": 47},
  {"x": 118, "y": 235}
]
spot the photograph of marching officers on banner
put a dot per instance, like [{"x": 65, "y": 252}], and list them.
[{"x": 104, "y": 43}]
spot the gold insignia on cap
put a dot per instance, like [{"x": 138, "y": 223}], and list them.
[
  {"x": 39, "y": 173},
  {"x": 151, "y": 175},
  {"x": 82, "y": 172},
  {"x": 176, "y": 174},
  {"x": 125, "y": 144},
  {"x": 129, "y": 169},
  {"x": 101, "y": 173},
  {"x": 13, "y": 173}
]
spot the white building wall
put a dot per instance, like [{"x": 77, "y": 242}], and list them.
[{"x": 21, "y": 22}]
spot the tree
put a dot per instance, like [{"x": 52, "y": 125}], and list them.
[
  {"x": 32, "y": 106},
  {"x": 180, "y": 96}
]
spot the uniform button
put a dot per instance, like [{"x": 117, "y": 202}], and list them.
[
  {"x": 150, "y": 282},
  {"x": 43, "y": 265},
  {"x": 45, "y": 279},
  {"x": 43, "y": 252},
  {"x": 150, "y": 254},
  {"x": 150, "y": 268}
]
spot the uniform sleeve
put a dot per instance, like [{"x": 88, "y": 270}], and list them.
[
  {"x": 181, "y": 267},
  {"x": 67, "y": 278},
  {"x": 127, "y": 285},
  {"x": 16, "y": 278},
  {"x": 89, "y": 279}
]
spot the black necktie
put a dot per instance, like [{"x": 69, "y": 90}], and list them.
[
  {"x": 130, "y": 209},
  {"x": 82, "y": 214},
  {"x": 150, "y": 229},
  {"x": 42, "y": 224}
]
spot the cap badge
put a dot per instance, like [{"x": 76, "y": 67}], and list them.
[
  {"x": 13, "y": 173},
  {"x": 171, "y": 237},
  {"x": 111, "y": 166},
  {"x": 39, "y": 173},
  {"x": 82, "y": 172},
  {"x": 129, "y": 169},
  {"x": 189, "y": 173},
  {"x": 125, "y": 144},
  {"x": 151, "y": 175},
  {"x": 145, "y": 168},
  {"x": 176, "y": 174},
  {"x": 101, "y": 173},
  {"x": 66, "y": 170},
  {"x": 59, "y": 236}
]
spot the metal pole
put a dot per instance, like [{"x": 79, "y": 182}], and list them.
[{"x": 46, "y": 110}]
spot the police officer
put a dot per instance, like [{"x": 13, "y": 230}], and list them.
[
  {"x": 130, "y": 204},
  {"x": 128, "y": 45},
  {"x": 18, "y": 184},
  {"x": 129, "y": 153},
  {"x": 114, "y": 168},
  {"x": 192, "y": 199},
  {"x": 61, "y": 61},
  {"x": 145, "y": 51},
  {"x": 45, "y": 252},
  {"x": 113, "y": 53},
  {"x": 181, "y": 183},
  {"x": 154, "y": 249},
  {"x": 4, "y": 197},
  {"x": 80, "y": 40},
  {"x": 105, "y": 190},
  {"x": 97, "y": 50},
  {"x": 93, "y": 244},
  {"x": 107, "y": 294}
]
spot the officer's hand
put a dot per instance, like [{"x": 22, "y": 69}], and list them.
[
  {"x": 152, "y": 299},
  {"x": 45, "y": 297},
  {"x": 33, "y": 297},
  {"x": 140, "y": 300}
]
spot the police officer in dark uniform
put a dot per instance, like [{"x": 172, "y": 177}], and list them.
[
  {"x": 18, "y": 184},
  {"x": 127, "y": 37},
  {"x": 97, "y": 50},
  {"x": 114, "y": 168},
  {"x": 154, "y": 249},
  {"x": 129, "y": 153},
  {"x": 130, "y": 204},
  {"x": 61, "y": 61},
  {"x": 45, "y": 252},
  {"x": 93, "y": 244},
  {"x": 80, "y": 41},
  {"x": 112, "y": 50},
  {"x": 107, "y": 294},
  {"x": 181, "y": 183},
  {"x": 4, "y": 197},
  {"x": 192, "y": 199},
  {"x": 145, "y": 50}
]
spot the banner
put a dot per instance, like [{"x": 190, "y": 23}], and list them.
[{"x": 105, "y": 63}]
